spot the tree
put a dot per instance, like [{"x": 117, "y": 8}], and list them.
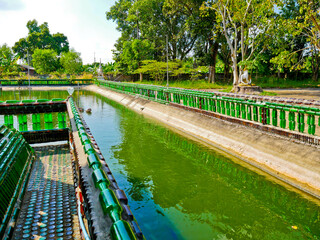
[
  {"x": 246, "y": 26},
  {"x": 295, "y": 41},
  {"x": 109, "y": 68},
  {"x": 151, "y": 20},
  {"x": 6, "y": 58},
  {"x": 201, "y": 23},
  {"x": 44, "y": 61},
  {"x": 157, "y": 69},
  {"x": 311, "y": 18},
  {"x": 8, "y": 61},
  {"x": 311, "y": 26},
  {"x": 39, "y": 37},
  {"x": 71, "y": 62},
  {"x": 134, "y": 52}
]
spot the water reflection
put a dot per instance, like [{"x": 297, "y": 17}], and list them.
[
  {"x": 205, "y": 188},
  {"x": 18, "y": 94}
]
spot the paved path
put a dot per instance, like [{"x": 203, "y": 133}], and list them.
[
  {"x": 49, "y": 205},
  {"x": 308, "y": 93}
]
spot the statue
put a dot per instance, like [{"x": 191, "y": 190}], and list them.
[
  {"x": 245, "y": 78},
  {"x": 245, "y": 86}
]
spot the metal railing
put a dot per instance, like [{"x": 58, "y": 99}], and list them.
[
  {"x": 35, "y": 82},
  {"x": 293, "y": 118},
  {"x": 41, "y": 120}
]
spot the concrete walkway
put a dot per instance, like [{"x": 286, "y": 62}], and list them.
[{"x": 308, "y": 93}]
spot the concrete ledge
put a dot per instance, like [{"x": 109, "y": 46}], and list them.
[{"x": 294, "y": 163}]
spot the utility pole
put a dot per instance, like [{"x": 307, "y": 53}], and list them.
[
  {"x": 167, "y": 62},
  {"x": 28, "y": 68}
]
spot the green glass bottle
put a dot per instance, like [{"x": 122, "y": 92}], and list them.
[
  {"x": 110, "y": 204},
  {"x": 121, "y": 230},
  {"x": 100, "y": 179}
]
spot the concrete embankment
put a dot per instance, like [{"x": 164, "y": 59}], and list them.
[{"x": 294, "y": 163}]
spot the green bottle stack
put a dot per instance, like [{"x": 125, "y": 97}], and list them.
[
  {"x": 23, "y": 122},
  {"x": 15, "y": 161},
  {"x": 110, "y": 205},
  {"x": 36, "y": 121}
]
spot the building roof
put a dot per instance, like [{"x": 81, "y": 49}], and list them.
[{"x": 26, "y": 66}]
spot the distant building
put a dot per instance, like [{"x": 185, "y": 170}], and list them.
[{"x": 25, "y": 68}]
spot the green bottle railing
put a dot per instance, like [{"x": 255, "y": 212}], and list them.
[
  {"x": 110, "y": 205},
  {"x": 297, "y": 118},
  {"x": 34, "y": 121},
  {"x": 25, "y": 82},
  {"x": 15, "y": 160}
]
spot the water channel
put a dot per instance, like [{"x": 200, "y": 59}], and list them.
[{"x": 182, "y": 189}]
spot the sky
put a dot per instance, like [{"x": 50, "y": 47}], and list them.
[{"x": 82, "y": 21}]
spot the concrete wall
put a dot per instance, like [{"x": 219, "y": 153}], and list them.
[{"x": 295, "y": 163}]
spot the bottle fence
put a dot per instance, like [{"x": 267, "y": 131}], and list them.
[
  {"x": 33, "y": 121},
  {"x": 110, "y": 204},
  {"x": 302, "y": 119},
  {"x": 16, "y": 157},
  {"x": 35, "y": 82}
]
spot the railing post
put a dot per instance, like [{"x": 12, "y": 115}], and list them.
[{"x": 263, "y": 115}]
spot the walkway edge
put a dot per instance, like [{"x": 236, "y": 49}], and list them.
[{"x": 294, "y": 163}]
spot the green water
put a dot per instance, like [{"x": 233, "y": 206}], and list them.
[{"x": 181, "y": 189}]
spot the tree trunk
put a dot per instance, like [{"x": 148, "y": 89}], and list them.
[
  {"x": 212, "y": 70},
  {"x": 225, "y": 71},
  {"x": 315, "y": 63},
  {"x": 141, "y": 77},
  {"x": 315, "y": 75},
  {"x": 174, "y": 50},
  {"x": 235, "y": 69},
  {"x": 214, "y": 53}
]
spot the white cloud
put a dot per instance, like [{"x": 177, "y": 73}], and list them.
[
  {"x": 83, "y": 22},
  {"x": 6, "y": 5}
]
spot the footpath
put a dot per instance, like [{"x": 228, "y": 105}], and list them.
[{"x": 308, "y": 93}]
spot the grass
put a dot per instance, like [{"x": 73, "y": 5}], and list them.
[
  {"x": 264, "y": 82},
  {"x": 200, "y": 84},
  {"x": 273, "y": 82},
  {"x": 265, "y": 93}
]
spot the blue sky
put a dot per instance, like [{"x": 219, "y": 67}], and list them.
[{"x": 82, "y": 21}]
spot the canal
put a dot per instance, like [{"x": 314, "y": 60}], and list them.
[{"x": 182, "y": 189}]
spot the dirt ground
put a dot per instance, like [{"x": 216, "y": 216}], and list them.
[{"x": 309, "y": 93}]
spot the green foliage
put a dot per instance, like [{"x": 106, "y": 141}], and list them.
[
  {"x": 153, "y": 20},
  {"x": 188, "y": 84},
  {"x": 188, "y": 67},
  {"x": 6, "y": 57},
  {"x": 39, "y": 37},
  {"x": 285, "y": 59},
  {"x": 274, "y": 82},
  {"x": 45, "y": 61},
  {"x": 133, "y": 53},
  {"x": 265, "y": 93},
  {"x": 265, "y": 37},
  {"x": 8, "y": 62},
  {"x": 157, "y": 69},
  {"x": 108, "y": 68},
  {"x": 310, "y": 20},
  {"x": 71, "y": 62}
]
